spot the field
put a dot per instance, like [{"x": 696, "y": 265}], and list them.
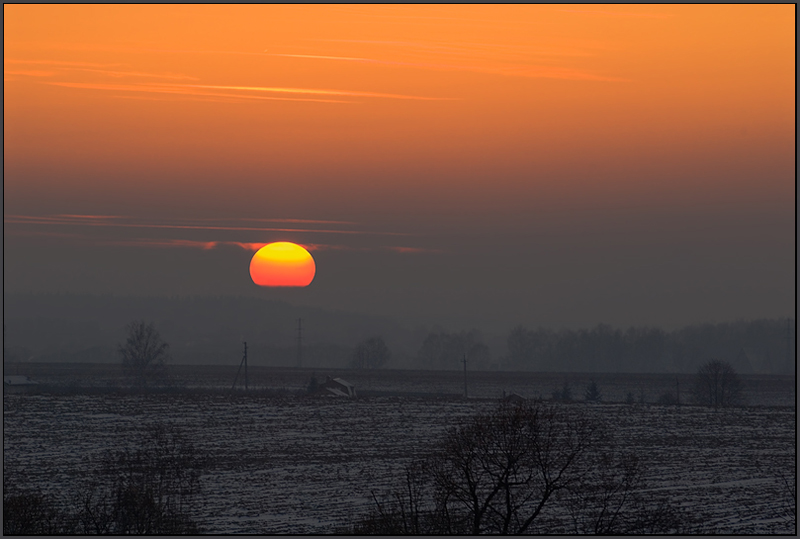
[{"x": 283, "y": 462}]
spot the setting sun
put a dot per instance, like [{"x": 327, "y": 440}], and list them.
[{"x": 282, "y": 264}]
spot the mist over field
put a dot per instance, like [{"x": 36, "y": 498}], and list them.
[{"x": 208, "y": 330}]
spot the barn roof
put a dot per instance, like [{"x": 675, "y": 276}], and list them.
[{"x": 17, "y": 380}]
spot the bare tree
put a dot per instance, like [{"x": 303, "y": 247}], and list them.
[
  {"x": 370, "y": 354},
  {"x": 607, "y": 499},
  {"x": 144, "y": 354},
  {"x": 147, "y": 490},
  {"x": 498, "y": 472},
  {"x": 592, "y": 393},
  {"x": 717, "y": 384}
]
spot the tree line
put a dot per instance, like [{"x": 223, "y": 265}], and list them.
[{"x": 762, "y": 346}]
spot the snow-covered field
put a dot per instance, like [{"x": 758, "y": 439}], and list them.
[{"x": 296, "y": 464}]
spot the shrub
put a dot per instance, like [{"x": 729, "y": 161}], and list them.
[
  {"x": 592, "y": 393},
  {"x": 717, "y": 384},
  {"x": 667, "y": 399}
]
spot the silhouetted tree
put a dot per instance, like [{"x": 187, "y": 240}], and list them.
[
  {"x": 147, "y": 490},
  {"x": 606, "y": 499},
  {"x": 29, "y": 512},
  {"x": 667, "y": 399},
  {"x": 144, "y": 355},
  {"x": 498, "y": 472},
  {"x": 370, "y": 354},
  {"x": 564, "y": 394},
  {"x": 444, "y": 350},
  {"x": 313, "y": 384},
  {"x": 592, "y": 393},
  {"x": 717, "y": 384}
]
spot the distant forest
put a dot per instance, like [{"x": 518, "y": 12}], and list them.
[{"x": 205, "y": 330}]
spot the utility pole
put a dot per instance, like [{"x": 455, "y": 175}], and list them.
[
  {"x": 243, "y": 363},
  {"x": 789, "y": 345},
  {"x": 465, "y": 375},
  {"x": 678, "y": 390},
  {"x": 299, "y": 342}
]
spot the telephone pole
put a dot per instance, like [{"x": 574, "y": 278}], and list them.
[
  {"x": 465, "y": 375},
  {"x": 243, "y": 363},
  {"x": 299, "y": 342},
  {"x": 789, "y": 344}
]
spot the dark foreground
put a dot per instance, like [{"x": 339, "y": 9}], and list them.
[{"x": 279, "y": 461}]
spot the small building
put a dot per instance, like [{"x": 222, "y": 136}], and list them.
[
  {"x": 18, "y": 384},
  {"x": 513, "y": 398},
  {"x": 338, "y": 387}
]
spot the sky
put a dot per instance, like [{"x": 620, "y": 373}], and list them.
[{"x": 468, "y": 166}]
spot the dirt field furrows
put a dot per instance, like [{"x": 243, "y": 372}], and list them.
[{"x": 307, "y": 465}]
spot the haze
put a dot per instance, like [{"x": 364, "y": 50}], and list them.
[{"x": 470, "y": 166}]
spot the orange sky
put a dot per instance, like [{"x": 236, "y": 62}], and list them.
[{"x": 400, "y": 120}]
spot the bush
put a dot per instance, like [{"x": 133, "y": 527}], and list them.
[
  {"x": 667, "y": 399},
  {"x": 150, "y": 488},
  {"x": 146, "y": 490},
  {"x": 564, "y": 394},
  {"x": 717, "y": 384},
  {"x": 33, "y": 513},
  {"x": 592, "y": 393}
]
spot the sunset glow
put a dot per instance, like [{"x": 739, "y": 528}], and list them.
[
  {"x": 635, "y": 159},
  {"x": 282, "y": 264}
]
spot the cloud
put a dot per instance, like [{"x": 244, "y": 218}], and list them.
[
  {"x": 29, "y": 73},
  {"x": 413, "y": 250},
  {"x": 503, "y": 69},
  {"x": 107, "y": 222},
  {"x": 617, "y": 13},
  {"x": 89, "y": 67},
  {"x": 114, "y": 221},
  {"x": 180, "y": 90},
  {"x": 57, "y": 63},
  {"x": 83, "y": 216},
  {"x": 120, "y": 74},
  {"x": 314, "y": 91},
  {"x": 280, "y": 220}
]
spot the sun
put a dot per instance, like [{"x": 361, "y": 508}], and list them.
[{"x": 282, "y": 264}]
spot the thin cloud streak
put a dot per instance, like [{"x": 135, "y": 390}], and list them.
[
  {"x": 509, "y": 70},
  {"x": 618, "y": 14},
  {"x": 73, "y": 216},
  {"x": 121, "y": 74},
  {"x": 84, "y": 216},
  {"x": 58, "y": 63},
  {"x": 177, "y": 90},
  {"x": 279, "y": 220},
  {"x": 28, "y": 220},
  {"x": 30, "y": 73},
  {"x": 91, "y": 67},
  {"x": 315, "y": 92},
  {"x": 414, "y": 250},
  {"x": 208, "y": 245}
]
